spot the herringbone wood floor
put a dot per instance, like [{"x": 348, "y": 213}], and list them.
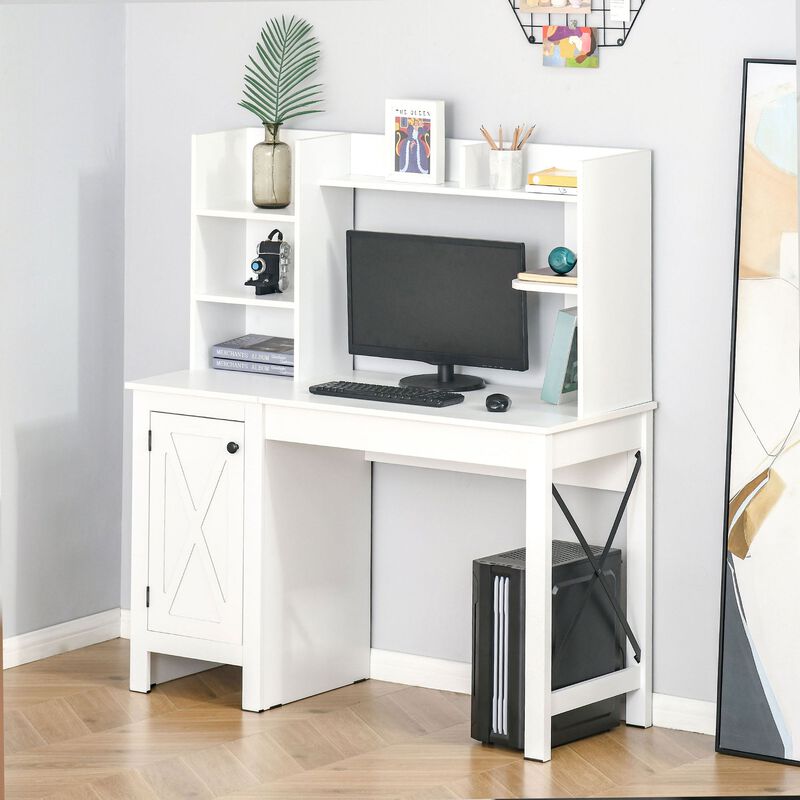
[{"x": 74, "y": 732}]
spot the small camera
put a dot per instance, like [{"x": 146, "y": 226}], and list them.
[{"x": 270, "y": 267}]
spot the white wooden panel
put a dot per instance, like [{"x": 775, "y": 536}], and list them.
[
  {"x": 597, "y": 441},
  {"x": 321, "y": 258},
  {"x": 209, "y": 386},
  {"x": 530, "y": 417},
  {"x": 220, "y": 169},
  {"x": 368, "y": 155},
  {"x": 140, "y": 672},
  {"x": 187, "y": 647},
  {"x": 378, "y": 183},
  {"x": 570, "y": 292},
  {"x": 614, "y": 298},
  {"x": 316, "y": 571},
  {"x": 270, "y": 321},
  {"x": 571, "y": 228},
  {"x": 594, "y": 690},
  {"x": 609, "y": 474},
  {"x": 448, "y": 466},
  {"x": 243, "y": 296},
  {"x": 538, "y": 600},
  {"x": 143, "y": 671},
  {"x": 246, "y": 211},
  {"x": 189, "y": 405},
  {"x": 255, "y": 648},
  {"x": 196, "y": 528},
  {"x": 401, "y": 437},
  {"x": 639, "y": 581},
  {"x": 212, "y": 323},
  {"x": 220, "y": 255}
]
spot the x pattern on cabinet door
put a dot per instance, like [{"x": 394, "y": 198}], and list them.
[{"x": 196, "y": 528}]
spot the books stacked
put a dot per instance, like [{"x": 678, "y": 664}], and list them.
[
  {"x": 548, "y": 277},
  {"x": 267, "y": 355},
  {"x": 553, "y": 181}
]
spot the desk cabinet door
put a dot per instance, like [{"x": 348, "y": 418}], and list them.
[{"x": 196, "y": 527}]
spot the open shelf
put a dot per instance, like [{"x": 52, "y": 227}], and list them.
[
  {"x": 451, "y": 188},
  {"x": 247, "y": 298},
  {"x": 545, "y": 288},
  {"x": 247, "y": 213}
]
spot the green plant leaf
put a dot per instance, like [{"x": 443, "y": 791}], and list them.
[
  {"x": 289, "y": 112},
  {"x": 254, "y": 83},
  {"x": 256, "y": 69},
  {"x": 303, "y": 113},
  {"x": 286, "y": 56},
  {"x": 257, "y": 101},
  {"x": 265, "y": 97},
  {"x": 258, "y": 112},
  {"x": 296, "y": 78},
  {"x": 305, "y": 95}
]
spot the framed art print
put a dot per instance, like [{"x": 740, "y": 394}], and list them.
[
  {"x": 758, "y": 703},
  {"x": 415, "y": 140}
]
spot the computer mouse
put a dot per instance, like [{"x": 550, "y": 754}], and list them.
[{"x": 498, "y": 402}]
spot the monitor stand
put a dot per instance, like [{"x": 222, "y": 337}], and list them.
[{"x": 445, "y": 379}]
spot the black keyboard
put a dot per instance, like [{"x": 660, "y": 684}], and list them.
[{"x": 410, "y": 395}]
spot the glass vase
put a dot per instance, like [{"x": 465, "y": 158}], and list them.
[{"x": 272, "y": 171}]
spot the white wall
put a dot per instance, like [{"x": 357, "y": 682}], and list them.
[
  {"x": 674, "y": 87},
  {"x": 61, "y": 295}
]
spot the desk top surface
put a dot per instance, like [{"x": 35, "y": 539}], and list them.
[{"x": 527, "y": 413}]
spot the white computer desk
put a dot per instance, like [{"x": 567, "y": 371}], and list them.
[{"x": 305, "y": 593}]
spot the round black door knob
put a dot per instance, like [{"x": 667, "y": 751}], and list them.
[{"x": 233, "y": 447}]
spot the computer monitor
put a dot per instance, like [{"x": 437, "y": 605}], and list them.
[{"x": 438, "y": 300}]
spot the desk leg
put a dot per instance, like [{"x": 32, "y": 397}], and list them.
[
  {"x": 639, "y": 569},
  {"x": 538, "y": 600},
  {"x": 140, "y": 674},
  {"x": 140, "y": 680},
  {"x": 253, "y": 662}
]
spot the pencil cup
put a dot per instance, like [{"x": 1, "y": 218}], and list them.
[{"x": 505, "y": 170}]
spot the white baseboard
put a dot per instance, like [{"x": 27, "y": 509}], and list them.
[
  {"x": 678, "y": 713},
  {"x": 430, "y": 673},
  {"x": 684, "y": 714},
  {"x": 77, "y": 633},
  {"x": 61, "y": 638},
  {"x": 124, "y": 623}
]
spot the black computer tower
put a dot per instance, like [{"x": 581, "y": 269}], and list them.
[{"x": 586, "y": 643}]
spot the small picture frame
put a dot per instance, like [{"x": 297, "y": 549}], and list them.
[
  {"x": 561, "y": 378},
  {"x": 415, "y": 141}
]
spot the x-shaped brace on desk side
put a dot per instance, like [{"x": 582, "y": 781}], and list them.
[{"x": 597, "y": 566}]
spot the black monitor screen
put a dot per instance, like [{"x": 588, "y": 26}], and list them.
[{"x": 437, "y": 300}]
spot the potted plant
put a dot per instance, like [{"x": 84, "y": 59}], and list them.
[{"x": 276, "y": 90}]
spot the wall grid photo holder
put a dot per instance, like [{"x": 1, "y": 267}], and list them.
[{"x": 592, "y": 13}]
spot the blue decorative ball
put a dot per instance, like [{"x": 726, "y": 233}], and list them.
[{"x": 562, "y": 260}]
